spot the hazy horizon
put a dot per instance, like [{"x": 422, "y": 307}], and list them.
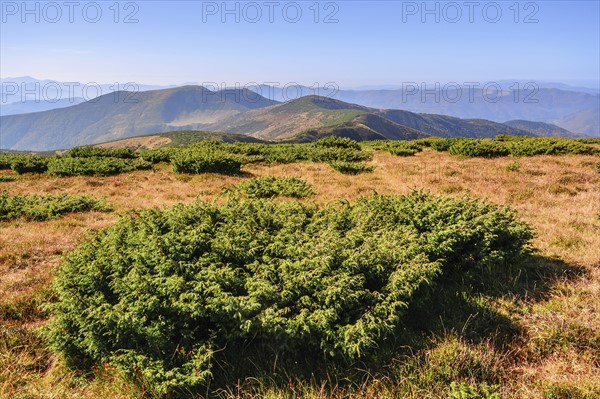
[{"x": 587, "y": 84}]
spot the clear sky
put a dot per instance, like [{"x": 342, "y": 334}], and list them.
[{"x": 351, "y": 43}]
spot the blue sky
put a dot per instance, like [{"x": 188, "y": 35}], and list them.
[{"x": 371, "y": 44}]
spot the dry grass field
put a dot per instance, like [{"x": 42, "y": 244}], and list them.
[{"x": 553, "y": 352}]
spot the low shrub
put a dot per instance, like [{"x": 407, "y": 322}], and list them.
[
  {"x": 443, "y": 144},
  {"x": 426, "y": 142},
  {"x": 504, "y": 145},
  {"x": 44, "y": 207},
  {"x": 6, "y": 160},
  {"x": 486, "y": 148},
  {"x": 99, "y": 152},
  {"x": 396, "y": 147},
  {"x": 350, "y": 168},
  {"x": 159, "y": 154},
  {"x": 269, "y": 187},
  {"x": 594, "y": 140},
  {"x": 157, "y": 294},
  {"x": 29, "y": 164},
  {"x": 328, "y": 154},
  {"x": 403, "y": 149},
  {"x": 548, "y": 146},
  {"x": 7, "y": 178},
  {"x": 269, "y": 153},
  {"x": 513, "y": 167},
  {"x": 95, "y": 166},
  {"x": 332, "y": 149},
  {"x": 203, "y": 160},
  {"x": 337, "y": 142}
]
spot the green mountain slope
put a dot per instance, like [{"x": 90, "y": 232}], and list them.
[
  {"x": 284, "y": 121},
  {"x": 361, "y": 128},
  {"x": 121, "y": 115},
  {"x": 125, "y": 114}
]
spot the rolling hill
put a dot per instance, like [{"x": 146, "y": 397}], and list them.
[
  {"x": 361, "y": 128},
  {"x": 286, "y": 120},
  {"x": 122, "y": 115},
  {"x": 449, "y": 126},
  {"x": 576, "y": 109},
  {"x": 176, "y": 138},
  {"x": 566, "y": 107}
]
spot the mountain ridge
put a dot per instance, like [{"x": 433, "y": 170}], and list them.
[{"x": 125, "y": 114}]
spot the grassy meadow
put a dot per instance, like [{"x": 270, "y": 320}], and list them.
[{"x": 530, "y": 330}]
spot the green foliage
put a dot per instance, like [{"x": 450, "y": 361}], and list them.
[
  {"x": 159, "y": 155},
  {"x": 158, "y": 294},
  {"x": 337, "y": 142},
  {"x": 95, "y": 166},
  {"x": 6, "y": 160},
  {"x": 334, "y": 148},
  {"x": 207, "y": 157},
  {"x": 7, "y": 178},
  {"x": 98, "y": 152},
  {"x": 402, "y": 151},
  {"x": 46, "y": 207},
  {"x": 548, "y": 146},
  {"x": 513, "y": 167},
  {"x": 594, "y": 140},
  {"x": 463, "y": 390},
  {"x": 29, "y": 164},
  {"x": 569, "y": 390},
  {"x": 443, "y": 144},
  {"x": 269, "y": 153},
  {"x": 269, "y": 187},
  {"x": 324, "y": 150},
  {"x": 507, "y": 137},
  {"x": 181, "y": 138},
  {"x": 329, "y": 154},
  {"x": 397, "y": 147},
  {"x": 426, "y": 142},
  {"x": 486, "y": 148},
  {"x": 350, "y": 168},
  {"x": 504, "y": 145}
]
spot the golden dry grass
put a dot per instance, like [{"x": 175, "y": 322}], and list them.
[{"x": 558, "y": 195}]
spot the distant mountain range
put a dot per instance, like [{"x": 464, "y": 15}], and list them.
[
  {"x": 29, "y": 106},
  {"x": 541, "y": 128},
  {"x": 121, "y": 115},
  {"x": 32, "y": 92},
  {"x": 572, "y": 108},
  {"x": 575, "y": 109}
]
